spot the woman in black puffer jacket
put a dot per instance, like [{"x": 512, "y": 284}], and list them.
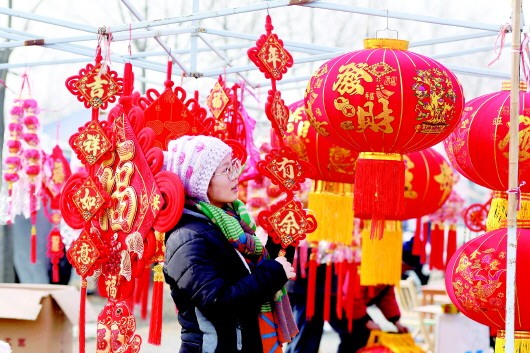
[{"x": 221, "y": 279}]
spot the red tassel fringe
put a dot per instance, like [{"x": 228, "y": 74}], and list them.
[
  {"x": 380, "y": 195},
  {"x": 340, "y": 266},
  {"x": 82, "y": 316},
  {"x": 33, "y": 249},
  {"x": 353, "y": 287},
  {"x": 311, "y": 284},
  {"x": 157, "y": 301},
  {"x": 142, "y": 292},
  {"x": 327, "y": 291},
  {"x": 437, "y": 247},
  {"x": 451, "y": 242}
]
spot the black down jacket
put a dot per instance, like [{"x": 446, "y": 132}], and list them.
[{"x": 218, "y": 300}]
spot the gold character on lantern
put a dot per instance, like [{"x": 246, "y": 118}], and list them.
[
  {"x": 524, "y": 139},
  {"x": 349, "y": 79},
  {"x": 380, "y": 122}
]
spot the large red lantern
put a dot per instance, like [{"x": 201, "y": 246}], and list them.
[
  {"x": 383, "y": 101},
  {"x": 478, "y": 148},
  {"x": 476, "y": 279}
]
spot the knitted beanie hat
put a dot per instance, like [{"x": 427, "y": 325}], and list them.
[{"x": 194, "y": 159}]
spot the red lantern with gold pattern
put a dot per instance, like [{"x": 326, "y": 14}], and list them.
[
  {"x": 383, "y": 101},
  {"x": 476, "y": 279},
  {"x": 428, "y": 182},
  {"x": 478, "y": 149}
]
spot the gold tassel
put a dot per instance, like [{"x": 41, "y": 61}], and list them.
[
  {"x": 521, "y": 342},
  {"x": 523, "y": 214},
  {"x": 332, "y": 204},
  {"x": 498, "y": 211},
  {"x": 381, "y": 258}
]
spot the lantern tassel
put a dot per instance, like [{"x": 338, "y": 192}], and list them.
[
  {"x": 379, "y": 195},
  {"x": 451, "y": 242},
  {"x": 332, "y": 204},
  {"x": 521, "y": 342},
  {"x": 155, "y": 325},
  {"x": 437, "y": 247},
  {"x": 327, "y": 291},
  {"x": 311, "y": 284},
  {"x": 33, "y": 249},
  {"x": 340, "y": 282},
  {"x": 382, "y": 258},
  {"x": 142, "y": 292},
  {"x": 82, "y": 315},
  {"x": 498, "y": 210}
]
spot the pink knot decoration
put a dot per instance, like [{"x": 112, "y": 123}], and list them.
[
  {"x": 31, "y": 105},
  {"x": 11, "y": 177},
  {"x": 32, "y": 154},
  {"x": 33, "y": 170},
  {"x": 18, "y": 110},
  {"x": 14, "y": 161},
  {"x": 15, "y": 127},
  {"x": 31, "y": 139},
  {"x": 14, "y": 146},
  {"x": 31, "y": 122}
]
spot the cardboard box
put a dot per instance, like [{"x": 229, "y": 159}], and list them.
[{"x": 40, "y": 318}]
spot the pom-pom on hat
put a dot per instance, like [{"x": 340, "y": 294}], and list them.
[{"x": 194, "y": 159}]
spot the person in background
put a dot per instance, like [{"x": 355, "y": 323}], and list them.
[
  {"x": 309, "y": 337},
  {"x": 222, "y": 280},
  {"x": 412, "y": 263}
]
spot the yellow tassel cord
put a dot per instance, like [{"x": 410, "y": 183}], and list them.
[
  {"x": 332, "y": 204},
  {"x": 498, "y": 211},
  {"x": 381, "y": 258},
  {"x": 521, "y": 342},
  {"x": 523, "y": 214}
]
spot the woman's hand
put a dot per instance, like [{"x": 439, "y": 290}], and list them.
[
  {"x": 371, "y": 325},
  {"x": 400, "y": 327},
  {"x": 287, "y": 267}
]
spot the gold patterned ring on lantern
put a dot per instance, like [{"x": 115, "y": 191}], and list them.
[
  {"x": 386, "y": 43},
  {"x": 381, "y": 156}
]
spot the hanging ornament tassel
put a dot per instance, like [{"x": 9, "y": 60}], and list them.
[
  {"x": 157, "y": 301},
  {"x": 521, "y": 342},
  {"x": 417, "y": 243},
  {"x": 33, "y": 240},
  {"x": 498, "y": 210},
  {"x": 352, "y": 285},
  {"x": 303, "y": 251},
  {"x": 451, "y": 242},
  {"x": 332, "y": 204},
  {"x": 327, "y": 291},
  {"x": 340, "y": 272},
  {"x": 381, "y": 258},
  {"x": 436, "y": 260},
  {"x": 380, "y": 181},
  {"x": 311, "y": 283},
  {"x": 82, "y": 315},
  {"x": 141, "y": 294}
]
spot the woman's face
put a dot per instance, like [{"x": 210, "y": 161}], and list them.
[{"x": 222, "y": 190}]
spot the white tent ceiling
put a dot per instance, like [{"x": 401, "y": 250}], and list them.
[{"x": 209, "y": 38}]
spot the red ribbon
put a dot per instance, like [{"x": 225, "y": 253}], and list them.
[{"x": 517, "y": 191}]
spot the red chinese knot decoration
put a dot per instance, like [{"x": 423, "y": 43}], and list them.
[{"x": 269, "y": 54}]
